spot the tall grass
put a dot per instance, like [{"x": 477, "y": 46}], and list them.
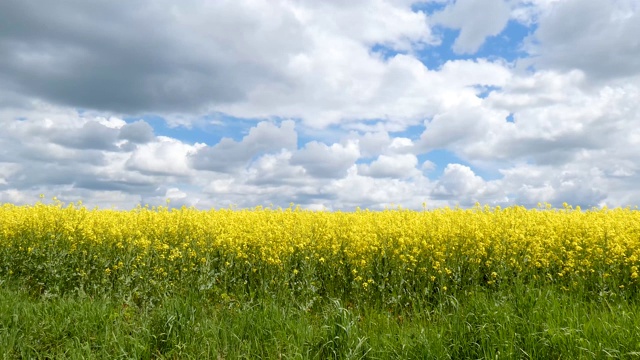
[{"x": 525, "y": 323}]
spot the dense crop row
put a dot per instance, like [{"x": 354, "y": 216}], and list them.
[{"x": 389, "y": 258}]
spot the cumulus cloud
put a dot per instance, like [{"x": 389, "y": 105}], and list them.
[
  {"x": 459, "y": 126},
  {"x": 530, "y": 184},
  {"x": 396, "y": 166},
  {"x": 598, "y": 37},
  {"x": 307, "y": 60},
  {"x": 171, "y": 197},
  {"x": 165, "y": 156},
  {"x": 324, "y": 161},
  {"x": 372, "y": 22},
  {"x": 275, "y": 169},
  {"x": 342, "y": 82},
  {"x": 228, "y": 154},
  {"x": 401, "y": 145},
  {"x": 203, "y": 55},
  {"x": 476, "y": 20},
  {"x": 123, "y": 61},
  {"x": 428, "y": 165},
  {"x": 356, "y": 190},
  {"x": 554, "y": 118},
  {"x": 55, "y": 151},
  {"x": 139, "y": 132},
  {"x": 373, "y": 143},
  {"x": 459, "y": 182},
  {"x": 92, "y": 135}
]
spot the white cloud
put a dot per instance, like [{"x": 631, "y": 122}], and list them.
[
  {"x": 461, "y": 184},
  {"x": 373, "y": 143},
  {"x": 275, "y": 169},
  {"x": 464, "y": 73},
  {"x": 598, "y": 37},
  {"x": 476, "y": 20},
  {"x": 138, "y": 132},
  {"x": 341, "y": 82},
  {"x": 391, "y": 23},
  {"x": 555, "y": 116},
  {"x": 256, "y": 59},
  {"x": 367, "y": 192},
  {"x": 428, "y": 165},
  {"x": 528, "y": 12},
  {"x": 576, "y": 184},
  {"x": 395, "y": 166},
  {"x": 323, "y": 161},
  {"x": 165, "y": 156},
  {"x": 173, "y": 198},
  {"x": 14, "y": 196},
  {"x": 228, "y": 154},
  {"x": 401, "y": 145},
  {"x": 208, "y": 56},
  {"x": 111, "y": 122}
]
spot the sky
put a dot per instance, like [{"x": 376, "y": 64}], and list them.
[{"x": 324, "y": 104}]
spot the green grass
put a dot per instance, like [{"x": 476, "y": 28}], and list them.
[{"x": 506, "y": 323}]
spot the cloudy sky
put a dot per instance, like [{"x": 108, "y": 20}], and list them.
[{"x": 325, "y": 104}]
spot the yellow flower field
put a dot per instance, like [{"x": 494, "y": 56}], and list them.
[{"x": 381, "y": 256}]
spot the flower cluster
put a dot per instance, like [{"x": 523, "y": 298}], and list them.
[{"x": 381, "y": 256}]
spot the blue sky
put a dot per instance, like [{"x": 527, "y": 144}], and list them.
[{"x": 328, "y": 105}]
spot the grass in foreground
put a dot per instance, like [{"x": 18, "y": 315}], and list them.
[{"x": 542, "y": 323}]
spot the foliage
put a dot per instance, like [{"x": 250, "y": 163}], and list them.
[
  {"x": 391, "y": 259},
  {"x": 272, "y": 283}
]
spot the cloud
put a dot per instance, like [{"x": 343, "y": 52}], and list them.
[
  {"x": 139, "y": 132},
  {"x": 54, "y": 151},
  {"x": 598, "y": 37},
  {"x": 228, "y": 154},
  {"x": 531, "y": 184},
  {"x": 373, "y": 143},
  {"x": 555, "y": 118},
  {"x": 396, "y": 166},
  {"x": 305, "y": 60},
  {"x": 315, "y": 60},
  {"x": 202, "y": 56},
  {"x": 355, "y": 190},
  {"x": 123, "y": 61},
  {"x": 323, "y": 161},
  {"x": 459, "y": 126},
  {"x": 275, "y": 170},
  {"x": 459, "y": 183},
  {"x": 401, "y": 145},
  {"x": 479, "y": 72},
  {"x": 14, "y": 196},
  {"x": 428, "y": 165},
  {"x": 92, "y": 135},
  {"x": 165, "y": 156},
  {"x": 172, "y": 197},
  {"x": 354, "y": 87},
  {"x": 528, "y": 12},
  {"x": 38, "y": 140},
  {"x": 6, "y": 170},
  {"x": 392, "y": 24},
  {"x": 476, "y": 20}
]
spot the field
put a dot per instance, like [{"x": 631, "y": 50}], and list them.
[{"x": 287, "y": 283}]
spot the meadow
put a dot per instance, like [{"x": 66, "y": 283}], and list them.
[{"x": 289, "y": 283}]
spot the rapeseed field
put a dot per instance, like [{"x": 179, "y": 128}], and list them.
[
  {"x": 155, "y": 282},
  {"x": 388, "y": 257}
]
